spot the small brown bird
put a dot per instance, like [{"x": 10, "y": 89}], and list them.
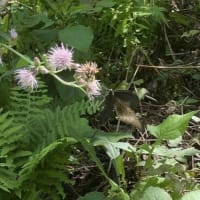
[
  {"x": 124, "y": 103},
  {"x": 126, "y": 114}
]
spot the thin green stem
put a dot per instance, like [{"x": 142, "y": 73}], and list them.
[
  {"x": 72, "y": 84},
  {"x": 17, "y": 53}
]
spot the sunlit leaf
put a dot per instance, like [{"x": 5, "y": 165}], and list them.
[
  {"x": 190, "y": 33},
  {"x": 155, "y": 193},
  {"x": 110, "y": 142},
  {"x": 171, "y": 128},
  {"x": 177, "y": 153},
  {"x": 194, "y": 195}
]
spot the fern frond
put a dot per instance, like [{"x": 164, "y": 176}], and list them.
[
  {"x": 10, "y": 151},
  {"x": 24, "y": 104},
  {"x": 49, "y": 136},
  {"x": 53, "y": 125},
  {"x": 46, "y": 171},
  {"x": 85, "y": 107}
]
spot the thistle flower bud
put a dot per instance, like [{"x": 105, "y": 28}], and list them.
[
  {"x": 36, "y": 61},
  {"x": 13, "y": 34}
]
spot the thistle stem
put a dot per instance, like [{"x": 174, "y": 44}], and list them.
[
  {"x": 17, "y": 53},
  {"x": 73, "y": 84}
]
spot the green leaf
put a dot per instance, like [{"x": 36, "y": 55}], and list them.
[
  {"x": 106, "y": 3},
  {"x": 110, "y": 142},
  {"x": 68, "y": 94},
  {"x": 191, "y": 101},
  {"x": 171, "y": 128},
  {"x": 101, "y": 138},
  {"x": 111, "y": 150},
  {"x": 92, "y": 196},
  {"x": 31, "y": 21},
  {"x": 124, "y": 146},
  {"x": 155, "y": 193},
  {"x": 79, "y": 37},
  {"x": 117, "y": 193},
  {"x": 21, "y": 63},
  {"x": 178, "y": 153},
  {"x": 190, "y": 33},
  {"x": 194, "y": 195},
  {"x": 181, "y": 18},
  {"x": 91, "y": 151},
  {"x": 47, "y": 35},
  {"x": 119, "y": 166}
]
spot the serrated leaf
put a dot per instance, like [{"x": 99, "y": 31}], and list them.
[
  {"x": 174, "y": 152},
  {"x": 174, "y": 126},
  {"x": 79, "y": 37},
  {"x": 155, "y": 193}
]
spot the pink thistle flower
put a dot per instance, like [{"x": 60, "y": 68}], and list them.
[
  {"x": 13, "y": 34},
  {"x": 87, "y": 71},
  {"x": 26, "y": 79},
  {"x": 85, "y": 75},
  {"x": 60, "y": 57},
  {"x": 93, "y": 88}
]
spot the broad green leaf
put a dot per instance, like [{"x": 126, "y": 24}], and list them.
[
  {"x": 101, "y": 138},
  {"x": 124, "y": 146},
  {"x": 112, "y": 151},
  {"x": 175, "y": 153},
  {"x": 47, "y": 35},
  {"x": 80, "y": 37},
  {"x": 68, "y": 94},
  {"x": 174, "y": 126},
  {"x": 110, "y": 142},
  {"x": 31, "y": 21},
  {"x": 194, "y": 195},
  {"x": 92, "y": 196},
  {"x": 155, "y": 193},
  {"x": 106, "y": 3}
]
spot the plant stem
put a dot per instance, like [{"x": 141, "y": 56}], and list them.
[
  {"x": 66, "y": 83},
  {"x": 17, "y": 53}
]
